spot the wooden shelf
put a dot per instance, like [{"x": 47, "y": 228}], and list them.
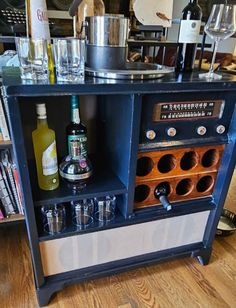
[
  {"x": 5, "y": 144},
  {"x": 13, "y": 218}
]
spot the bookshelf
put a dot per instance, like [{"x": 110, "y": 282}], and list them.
[{"x": 10, "y": 195}]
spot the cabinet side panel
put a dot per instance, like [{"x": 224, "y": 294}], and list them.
[{"x": 81, "y": 251}]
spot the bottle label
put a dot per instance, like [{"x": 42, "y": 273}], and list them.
[
  {"x": 75, "y": 177},
  {"x": 75, "y": 116},
  {"x": 49, "y": 160},
  {"x": 82, "y": 143},
  {"x": 39, "y": 20},
  {"x": 189, "y": 31}
]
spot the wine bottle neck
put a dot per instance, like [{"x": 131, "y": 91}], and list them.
[
  {"x": 75, "y": 116},
  {"x": 193, "y": 1}
]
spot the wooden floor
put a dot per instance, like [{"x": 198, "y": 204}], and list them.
[{"x": 180, "y": 283}]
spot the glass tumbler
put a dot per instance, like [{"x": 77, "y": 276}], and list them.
[
  {"x": 105, "y": 208},
  {"x": 82, "y": 212},
  {"x": 33, "y": 58},
  {"x": 54, "y": 218},
  {"x": 69, "y": 56}
]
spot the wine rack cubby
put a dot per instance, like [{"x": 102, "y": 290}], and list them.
[{"x": 187, "y": 173}]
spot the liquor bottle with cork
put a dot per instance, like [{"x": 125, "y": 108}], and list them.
[
  {"x": 188, "y": 37},
  {"x": 37, "y": 26},
  {"x": 45, "y": 152},
  {"x": 76, "y": 168}
]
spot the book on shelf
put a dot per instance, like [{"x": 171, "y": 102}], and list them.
[
  {"x": 4, "y": 131},
  {"x": 2, "y": 215},
  {"x": 10, "y": 192},
  {"x": 1, "y": 135}
]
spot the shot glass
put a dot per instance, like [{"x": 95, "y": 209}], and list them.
[
  {"x": 54, "y": 218},
  {"x": 33, "y": 58},
  {"x": 69, "y": 58},
  {"x": 82, "y": 212},
  {"x": 105, "y": 208}
]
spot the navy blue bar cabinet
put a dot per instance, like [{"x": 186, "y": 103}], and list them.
[{"x": 186, "y": 123}]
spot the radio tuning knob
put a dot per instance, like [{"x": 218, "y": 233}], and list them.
[
  {"x": 171, "y": 132},
  {"x": 151, "y": 134},
  {"x": 201, "y": 130},
  {"x": 220, "y": 129}
]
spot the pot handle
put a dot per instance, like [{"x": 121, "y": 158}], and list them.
[
  {"x": 74, "y": 6},
  {"x": 84, "y": 25}
]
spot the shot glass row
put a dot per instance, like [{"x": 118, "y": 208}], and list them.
[{"x": 83, "y": 213}]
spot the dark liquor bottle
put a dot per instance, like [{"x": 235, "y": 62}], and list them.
[
  {"x": 76, "y": 131},
  {"x": 188, "y": 36},
  {"x": 76, "y": 168},
  {"x": 161, "y": 193}
]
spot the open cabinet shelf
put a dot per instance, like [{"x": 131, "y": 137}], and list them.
[{"x": 101, "y": 184}]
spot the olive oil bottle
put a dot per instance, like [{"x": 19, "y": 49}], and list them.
[{"x": 45, "y": 152}]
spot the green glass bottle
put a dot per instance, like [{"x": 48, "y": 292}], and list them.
[{"x": 76, "y": 131}]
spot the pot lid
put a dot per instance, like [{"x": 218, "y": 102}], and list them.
[{"x": 154, "y": 12}]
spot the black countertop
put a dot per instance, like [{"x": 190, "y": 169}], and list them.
[{"x": 14, "y": 86}]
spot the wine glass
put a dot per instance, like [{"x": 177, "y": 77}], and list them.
[{"x": 220, "y": 26}]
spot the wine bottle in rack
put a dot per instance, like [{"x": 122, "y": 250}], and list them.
[
  {"x": 45, "y": 151},
  {"x": 37, "y": 26},
  {"x": 188, "y": 36},
  {"x": 161, "y": 193}
]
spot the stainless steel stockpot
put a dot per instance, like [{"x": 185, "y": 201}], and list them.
[{"x": 107, "y": 30}]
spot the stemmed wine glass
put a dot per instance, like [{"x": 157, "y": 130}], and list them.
[{"x": 220, "y": 26}]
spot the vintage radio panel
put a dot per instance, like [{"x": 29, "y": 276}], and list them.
[{"x": 203, "y": 116}]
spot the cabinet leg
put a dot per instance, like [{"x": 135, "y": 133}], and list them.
[
  {"x": 44, "y": 294},
  {"x": 203, "y": 256}
]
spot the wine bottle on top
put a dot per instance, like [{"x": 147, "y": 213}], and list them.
[{"x": 188, "y": 37}]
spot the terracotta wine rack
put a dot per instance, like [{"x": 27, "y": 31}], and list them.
[{"x": 187, "y": 173}]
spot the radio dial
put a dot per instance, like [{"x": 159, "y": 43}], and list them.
[
  {"x": 151, "y": 134},
  {"x": 171, "y": 132},
  {"x": 220, "y": 129},
  {"x": 201, "y": 130}
]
